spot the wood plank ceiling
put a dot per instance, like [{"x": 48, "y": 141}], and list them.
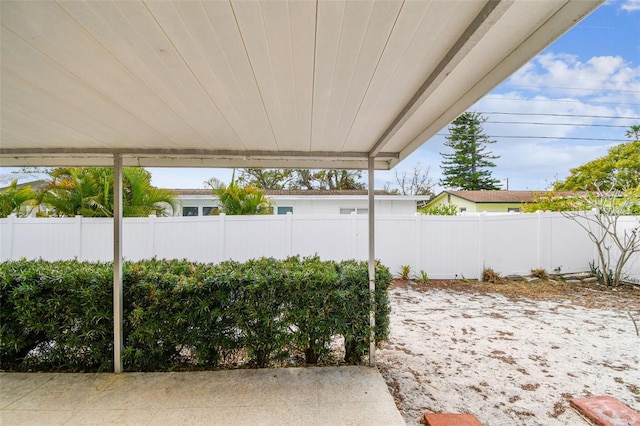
[{"x": 322, "y": 84}]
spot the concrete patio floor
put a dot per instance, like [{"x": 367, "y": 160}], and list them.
[{"x": 286, "y": 396}]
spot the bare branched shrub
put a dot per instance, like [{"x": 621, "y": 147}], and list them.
[{"x": 601, "y": 221}]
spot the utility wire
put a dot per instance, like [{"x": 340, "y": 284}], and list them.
[
  {"x": 561, "y": 115},
  {"x": 591, "y": 89},
  {"x": 544, "y": 137},
  {"x": 560, "y": 100},
  {"x": 555, "y": 124}
]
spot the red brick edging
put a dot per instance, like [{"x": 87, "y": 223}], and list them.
[
  {"x": 605, "y": 410},
  {"x": 438, "y": 419}
]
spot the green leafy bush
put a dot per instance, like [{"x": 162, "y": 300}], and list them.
[
  {"x": 179, "y": 314},
  {"x": 312, "y": 307},
  {"x": 440, "y": 210},
  {"x": 56, "y": 315}
]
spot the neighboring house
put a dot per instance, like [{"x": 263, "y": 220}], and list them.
[
  {"x": 201, "y": 202},
  {"x": 488, "y": 201},
  {"x": 27, "y": 210}
]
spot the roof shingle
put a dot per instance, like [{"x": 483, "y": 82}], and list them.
[{"x": 505, "y": 196}]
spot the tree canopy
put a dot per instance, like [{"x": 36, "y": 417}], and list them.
[
  {"x": 468, "y": 166},
  {"x": 267, "y": 178},
  {"x": 619, "y": 169},
  {"x": 301, "y": 179}
]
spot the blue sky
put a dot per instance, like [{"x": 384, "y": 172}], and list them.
[
  {"x": 582, "y": 93},
  {"x": 592, "y": 71}
]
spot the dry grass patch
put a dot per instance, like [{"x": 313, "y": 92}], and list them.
[{"x": 591, "y": 295}]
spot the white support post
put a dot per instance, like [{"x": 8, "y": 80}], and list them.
[
  {"x": 372, "y": 264},
  {"x": 118, "y": 343}
]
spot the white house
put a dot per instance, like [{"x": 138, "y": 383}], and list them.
[{"x": 201, "y": 202}]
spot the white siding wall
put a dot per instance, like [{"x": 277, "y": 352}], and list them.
[
  {"x": 318, "y": 205},
  {"x": 442, "y": 246}
]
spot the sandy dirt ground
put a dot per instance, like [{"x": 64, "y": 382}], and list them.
[{"x": 510, "y": 354}]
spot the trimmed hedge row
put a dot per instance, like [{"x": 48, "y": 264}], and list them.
[{"x": 180, "y": 314}]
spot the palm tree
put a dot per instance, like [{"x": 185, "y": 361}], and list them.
[
  {"x": 634, "y": 132},
  {"x": 76, "y": 191},
  {"x": 13, "y": 198},
  {"x": 143, "y": 199},
  {"x": 87, "y": 191},
  {"x": 237, "y": 200}
]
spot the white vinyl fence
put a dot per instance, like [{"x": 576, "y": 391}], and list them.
[{"x": 442, "y": 246}]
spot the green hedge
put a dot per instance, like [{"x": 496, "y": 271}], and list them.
[{"x": 180, "y": 314}]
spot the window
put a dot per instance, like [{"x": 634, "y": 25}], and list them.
[
  {"x": 285, "y": 210},
  {"x": 463, "y": 209},
  {"x": 354, "y": 210},
  {"x": 189, "y": 211},
  {"x": 513, "y": 209},
  {"x": 209, "y": 211}
]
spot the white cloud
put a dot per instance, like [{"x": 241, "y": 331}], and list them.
[
  {"x": 630, "y": 5},
  {"x": 566, "y": 75}
]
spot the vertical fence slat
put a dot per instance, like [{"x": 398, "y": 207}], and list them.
[{"x": 481, "y": 245}]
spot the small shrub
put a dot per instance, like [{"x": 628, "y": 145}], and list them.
[
  {"x": 310, "y": 310},
  {"x": 405, "y": 272},
  {"x": 539, "y": 273},
  {"x": 490, "y": 276},
  {"x": 599, "y": 274},
  {"x": 423, "y": 278}
]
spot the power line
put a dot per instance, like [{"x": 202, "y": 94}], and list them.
[
  {"x": 555, "y": 124},
  {"x": 574, "y": 88},
  {"x": 561, "y": 115},
  {"x": 561, "y": 100},
  {"x": 547, "y": 137}
]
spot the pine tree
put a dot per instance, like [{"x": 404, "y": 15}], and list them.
[{"x": 467, "y": 167}]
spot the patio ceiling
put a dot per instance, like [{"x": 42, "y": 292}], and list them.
[{"x": 319, "y": 84}]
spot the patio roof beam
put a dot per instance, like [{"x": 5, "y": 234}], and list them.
[
  {"x": 17, "y": 152},
  {"x": 62, "y": 157},
  {"x": 487, "y": 18}
]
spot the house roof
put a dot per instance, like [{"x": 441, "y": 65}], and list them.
[
  {"x": 504, "y": 196},
  {"x": 292, "y": 192},
  {"x": 316, "y": 84},
  {"x": 34, "y": 184}
]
